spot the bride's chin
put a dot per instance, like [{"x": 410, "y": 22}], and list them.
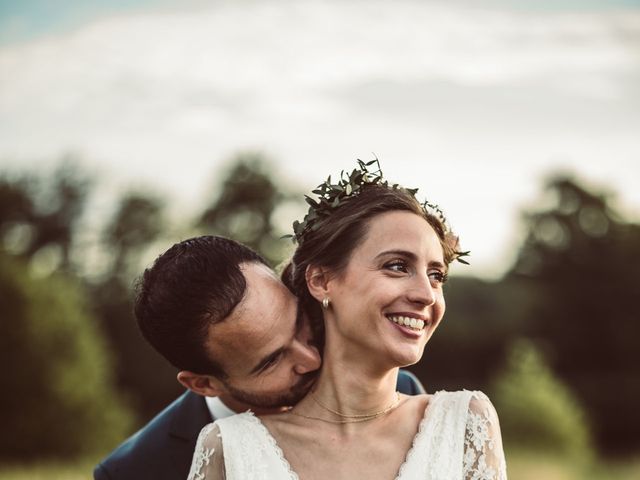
[{"x": 404, "y": 358}]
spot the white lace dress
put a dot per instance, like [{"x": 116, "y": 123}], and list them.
[{"x": 458, "y": 438}]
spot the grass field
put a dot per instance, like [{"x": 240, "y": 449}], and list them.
[
  {"x": 520, "y": 466},
  {"x": 533, "y": 467},
  {"x": 82, "y": 470}
]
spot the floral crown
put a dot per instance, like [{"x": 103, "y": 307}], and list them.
[{"x": 331, "y": 196}]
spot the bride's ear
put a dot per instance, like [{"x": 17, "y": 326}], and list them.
[{"x": 317, "y": 282}]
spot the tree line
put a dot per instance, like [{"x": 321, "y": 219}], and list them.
[{"x": 554, "y": 341}]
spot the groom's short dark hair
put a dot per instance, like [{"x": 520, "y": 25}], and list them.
[{"x": 191, "y": 286}]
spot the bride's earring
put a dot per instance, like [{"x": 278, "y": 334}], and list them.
[{"x": 325, "y": 302}]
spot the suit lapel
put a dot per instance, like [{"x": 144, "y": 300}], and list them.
[{"x": 191, "y": 415}]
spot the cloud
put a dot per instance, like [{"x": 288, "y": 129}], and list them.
[{"x": 325, "y": 81}]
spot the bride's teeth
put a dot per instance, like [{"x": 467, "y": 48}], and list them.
[{"x": 408, "y": 322}]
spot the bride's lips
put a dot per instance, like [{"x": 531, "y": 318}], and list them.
[{"x": 410, "y": 324}]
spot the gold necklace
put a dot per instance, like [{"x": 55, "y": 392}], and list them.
[
  {"x": 347, "y": 418},
  {"x": 356, "y": 415}
]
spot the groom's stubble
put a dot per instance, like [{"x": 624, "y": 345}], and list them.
[{"x": 290, "y": 398}]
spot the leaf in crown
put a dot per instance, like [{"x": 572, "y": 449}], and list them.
[{"x": 331, "y": 196}]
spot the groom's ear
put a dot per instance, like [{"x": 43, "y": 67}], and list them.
[
  {"x": 317, "y": 282},
  {"x": 204, "y": 385}
]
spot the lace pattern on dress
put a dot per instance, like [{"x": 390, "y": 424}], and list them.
[
  {"x": 202, "y": 455},
  {"x": 445, "y": 440},
  {"x": 437, "y": 448},
  {"x": 414, "y": 444},
  {"x": 483, "y": 455},
  {"x": 458, "y": 438},
  {"x": 272, "y": 442},
  {"x": 251, "y": 452}
]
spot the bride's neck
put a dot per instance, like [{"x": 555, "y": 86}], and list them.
[{"x": 354, "y": 387}]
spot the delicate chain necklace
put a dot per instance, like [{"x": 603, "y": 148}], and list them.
[
  {"x": 347, "y": 418},
  {"x": 356, "y": 415}
]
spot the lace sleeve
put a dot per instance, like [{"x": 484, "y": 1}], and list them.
[
  {"x": 483, "y": 454},
  {"x": 208, "y": 457}
]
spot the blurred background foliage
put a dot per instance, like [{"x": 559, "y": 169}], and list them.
[
  {"x": 58, "y": 395},
  {"x": 553, "y": 342},
  {"x": 538, "y": 412}
]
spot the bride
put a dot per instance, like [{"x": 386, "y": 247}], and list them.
[{"x": 371, "y": 263}]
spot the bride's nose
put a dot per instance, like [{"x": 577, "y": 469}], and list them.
[{"x": 421, "y": 291}]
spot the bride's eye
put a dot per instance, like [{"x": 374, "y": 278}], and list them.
[
  {"x": 438, "y": 277},
  {"x": 397, "y": 266}
]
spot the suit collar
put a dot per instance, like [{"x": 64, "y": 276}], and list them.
[{"x": 191, "y": 415}]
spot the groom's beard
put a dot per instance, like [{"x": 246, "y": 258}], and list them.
[{"x": 286, "y": 399}]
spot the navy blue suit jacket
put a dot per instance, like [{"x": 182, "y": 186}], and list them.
[{"x": 163, "y": 449}]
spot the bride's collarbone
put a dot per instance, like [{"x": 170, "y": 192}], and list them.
[
  {"x": 372, "y": 449},
  {"x": 297, "y": 428},
  {"x": 408, "y": 413},
  {"x": 373, "y": 454}
]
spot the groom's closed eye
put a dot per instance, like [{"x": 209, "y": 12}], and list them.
[{"x": 267, "y": 361}]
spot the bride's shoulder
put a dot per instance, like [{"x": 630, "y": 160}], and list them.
[
  {"x": 208, "y": 450},
  {"x": 416, "y": 405},
  {"x": 421, "y": 399},
  {"x": 209, "y": 435},
  {"x": 240, "y": 422},
  {"x": 479, "y": 403},
  {"x": 426, "y": 401},
  {"x": 473, "y": 397},
  {"x": 209, "y": 430},
  {"x": 481, "y": 407},
  {"x": 475, "y": 401},
  {"x": 212, "y": 432}
]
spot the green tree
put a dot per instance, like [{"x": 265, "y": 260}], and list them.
[
  {"x": 147, "y": 379},
  {"x": 537, "y": 411},
  {"x": 138, "y": 222},
  {"x": 58, "y": 396},
  {"x": 245, "y": 206},
  {"x": 580, "y": 262},
  {"x": 42, "y": 212}
]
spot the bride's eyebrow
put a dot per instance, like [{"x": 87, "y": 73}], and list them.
[
  {"x": 401, "y": 253},
  {"x": 411, "y": 256},
  {"x": 439, "y": 265}
]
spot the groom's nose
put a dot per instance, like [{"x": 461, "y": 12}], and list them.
[{"x": 307, "y": 358}]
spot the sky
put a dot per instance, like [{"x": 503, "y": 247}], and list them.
[{"x": 475, "y": 106}]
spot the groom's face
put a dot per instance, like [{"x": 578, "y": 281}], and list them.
[{"x": 265, "y": 345}]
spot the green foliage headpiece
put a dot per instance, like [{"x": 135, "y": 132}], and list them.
[{"x": 331, "y": 196}]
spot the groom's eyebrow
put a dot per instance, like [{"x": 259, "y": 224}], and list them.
[{"x": 266, "y": 360}]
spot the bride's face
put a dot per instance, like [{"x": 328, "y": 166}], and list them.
[{"x": 395, "y": 276}]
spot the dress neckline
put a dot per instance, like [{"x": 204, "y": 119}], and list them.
[{"x": 410, "y": 453}]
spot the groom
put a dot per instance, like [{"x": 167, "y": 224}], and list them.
[{"x": 215, "y": 310}]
